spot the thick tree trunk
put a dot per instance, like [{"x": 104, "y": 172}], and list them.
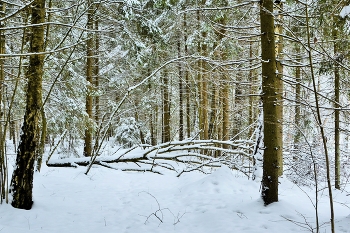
[
  {"x": 22, "y": 178},
  {"x": 271, "y": 98}
]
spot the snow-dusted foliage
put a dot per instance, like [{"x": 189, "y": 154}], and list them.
[{"x": 127, "y": 132}]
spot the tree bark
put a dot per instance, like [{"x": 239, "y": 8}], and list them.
[
  {"x": 297, "y": 119},
  {"x": 97, "y": 71},
  {"x": 22, "y": 178},
  {"x": 41, "y": 148},
  {"x": 271, "y": 97},
  {"x": 166, "y": 109},
  {"x": 89, "y": 79},
  {"x": 279, "y": 66},
  {"x": 202, "y": 82},
  {"x": 337, "y": 26},
  {"x": 204, "y": 92},
  {"x": 3, "y": 158},
  {"x": 253, "y": 91},
  {"x": 181, "y": 93},
  {"x": 188, "y": 84}
]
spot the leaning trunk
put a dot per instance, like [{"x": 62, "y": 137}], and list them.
[{"x": 22, "y": 178}]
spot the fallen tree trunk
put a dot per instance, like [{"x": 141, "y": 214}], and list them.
[{"x": 172, "y": 155}]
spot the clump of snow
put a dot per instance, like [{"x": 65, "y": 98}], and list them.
[{"x": 345, "y": 11}]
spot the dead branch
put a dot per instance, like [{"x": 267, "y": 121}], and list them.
[{"x": 193, "y": 154}]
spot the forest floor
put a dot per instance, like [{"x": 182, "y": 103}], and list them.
[{"x": 106, "y": 200}]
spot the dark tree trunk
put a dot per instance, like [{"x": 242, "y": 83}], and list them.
[
  {"x": 22, "y": 178},
  {"x": 166, "y": 108},
  {"x": 279, "y": 67},
  {"x": 187, "y": 79},
  {"x": 181, "y": 95},
  {"x": 271, "y": 98},
  {"x": 338, "y": 25},
  {"x": 89, "y": 78}
]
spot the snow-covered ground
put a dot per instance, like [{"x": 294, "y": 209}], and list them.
[{"x": 68, "y": 201}]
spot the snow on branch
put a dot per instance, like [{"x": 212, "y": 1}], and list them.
[{"x": 176, "y": 156}]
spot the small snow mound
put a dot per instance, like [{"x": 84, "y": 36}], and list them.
[{"x": 220, "y": 181}]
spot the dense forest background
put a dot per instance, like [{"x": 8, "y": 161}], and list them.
[{"x": 148, "y": 73}]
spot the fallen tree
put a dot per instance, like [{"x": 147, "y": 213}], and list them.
[{"x": 178, "y": 156}]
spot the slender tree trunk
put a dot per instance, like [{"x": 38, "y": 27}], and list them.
[
  {"x": 89, "y": 78},
  {"x": 225, "y": 109},
  {"x": 153, "y": 137},
  {"x": 166, "y": 109},
  {"x": 279, "y": 66},
  {"x": 336, "y": 128},
  {"x": 225, "y": 101},
  {"x": 152, "y": 130},
  {"x": 188, "y": 84},
  {"x": 253, "y": 91},
  {"x": 319, "y": 119},
  {"x": 136, "y": 115},
  {"x": 204, "y": 91},
  {"x": 41, "y": 148},
  {"x": 213, "y": 111},
  {"x": 224, "y": 131},
  {"x": 297, "y": 119},
  {"x": 2, "y": 71},
  {"x": 181, "y": 93},
  {"x": 202, "y": 83},
  {"x": 96, "y": 78},
  {"x": 22, "y": 178},
  {"x": 271, "y": 97},
  {"x": 3, "y": 167},
  {"x": 97, "y": 71},
  {"x": 335, "y": 31}
]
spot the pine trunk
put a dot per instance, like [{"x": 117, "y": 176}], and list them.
[
  {"x": 22, "y": 178},
  {"x": 271, "y": 98},
  {"x": 3, "y": 167},
  {"x": 253, "y": 113},
  {"x": 166, "y": 109},
  {"x": 89, "y": 80},
  {"x": 187, "y": 80},
  {"x": 181, "y": 94},
  {"x": 279, "y": 66},
  {"x": 297, "y": 119},
  {"x": 337, "y": 26},
  {"x": 97, "y": 71}
]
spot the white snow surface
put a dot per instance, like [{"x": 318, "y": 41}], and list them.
[
  {"x": 345, "y": 11},
  {"x": 106, "y": 200}
]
